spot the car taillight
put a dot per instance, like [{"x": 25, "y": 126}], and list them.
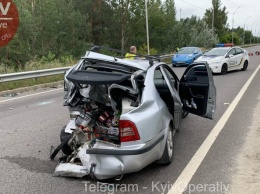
[{"x": 128, "y": 131}]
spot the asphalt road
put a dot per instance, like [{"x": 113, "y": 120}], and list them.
[{"x": 31, "y": 124}]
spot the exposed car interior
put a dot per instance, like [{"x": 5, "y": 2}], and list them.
[{"x": 163, "y": 90}]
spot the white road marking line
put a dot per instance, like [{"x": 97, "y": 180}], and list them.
[
  {"x": 30, "y": 95},
  {"x": 184, "y": 178}
]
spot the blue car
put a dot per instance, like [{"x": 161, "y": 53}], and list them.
[{"x": 186, "y": 56}]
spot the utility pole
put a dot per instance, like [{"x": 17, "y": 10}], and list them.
[
  {"x": 252, "y": 31},
  {"x": 147, "y": 29},
  {"x": 213, "y": 20},
  {"x": 233, "y": 22},
  {"x": 245, "y": 28}
]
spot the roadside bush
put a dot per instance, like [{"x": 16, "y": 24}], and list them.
[
  {"x": 66, "y": 59},
  {"x": 143, "y": 50},
  {"x": 4, "y": 68},
  {"x": 48, "y": 58}
]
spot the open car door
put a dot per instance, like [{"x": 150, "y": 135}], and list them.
[{"x": 197, "y": 90}]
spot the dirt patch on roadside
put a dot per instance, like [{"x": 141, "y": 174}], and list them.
[{"x": 247, "y": 177}]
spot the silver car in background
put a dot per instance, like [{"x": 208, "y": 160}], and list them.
[{"x": 124, "y": 113}]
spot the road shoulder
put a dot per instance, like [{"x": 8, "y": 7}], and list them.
[{"x": 247, "y": 176}]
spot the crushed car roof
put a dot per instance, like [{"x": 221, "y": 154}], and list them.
[{"x": 139, "y": 63}]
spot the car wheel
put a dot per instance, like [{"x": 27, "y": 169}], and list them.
[
  {"x": 224, "y": 69},
  {"x": 63, "y": 137},
  {"x": 167, "y": 156},
  {"x": 173, "y": 65},
  {"x": 245, "y": 66}
]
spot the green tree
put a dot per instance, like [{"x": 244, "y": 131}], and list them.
[
  {"x": 220, "y": 17},
  {"x": 49, "y": 31},
  {"x": 194, "y": 32},
  {"x": 46, "y": 27},
  {"x": 227, "y": 38},
  {"x": 169, "y": 12}
]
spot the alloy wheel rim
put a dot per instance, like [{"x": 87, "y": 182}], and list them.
[{"x": 170, "y": 143}]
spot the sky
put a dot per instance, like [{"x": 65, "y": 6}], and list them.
[{"x": 245, "y": 12}]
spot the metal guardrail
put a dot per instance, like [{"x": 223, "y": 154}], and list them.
[
  {"x": 41, "y": 73},
  {"x": 31, "y": 74}
]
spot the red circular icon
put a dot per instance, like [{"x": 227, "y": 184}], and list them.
[
  {"x": 257, "y": 53},
  {"x": 9, "y": 21}
]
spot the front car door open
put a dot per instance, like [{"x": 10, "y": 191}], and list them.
[
  {"x": 172, "y": 82},
  {"x": 197, "y": 90}
]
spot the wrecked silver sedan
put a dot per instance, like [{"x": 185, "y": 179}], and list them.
[{"x": 124, "y": 113}]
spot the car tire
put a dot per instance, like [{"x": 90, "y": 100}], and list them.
[
  {"x": 167, "y": 156},
  {"x": 245, "y": 66},
  {"x": 173, "y": 65},
  {"x": 224, "y": 69},
  {"x": 64, "y": 137}
]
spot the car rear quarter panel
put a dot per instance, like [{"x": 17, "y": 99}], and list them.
[{"x": 152, "y": 116}]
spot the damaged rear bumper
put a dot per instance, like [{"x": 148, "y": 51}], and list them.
[{"x": 107, "y": 161}]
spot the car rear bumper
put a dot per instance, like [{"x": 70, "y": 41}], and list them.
[{"x": 105, "y": 161}]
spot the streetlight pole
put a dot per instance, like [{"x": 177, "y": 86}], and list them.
[
  {"x": 233, "y": 24},
  {"x": 252, "y": 31},
  {"x": 256, "y": 34},
  {"x": 213, "y": 20},
  {"x": 258, "y": 37},
  {"x": 245, "y": 28},
  {"x": 147, "y": 29}
]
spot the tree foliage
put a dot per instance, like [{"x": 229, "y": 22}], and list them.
[
  {"x": 220, "y": 17},
  {"x": 64, "y": 29}
]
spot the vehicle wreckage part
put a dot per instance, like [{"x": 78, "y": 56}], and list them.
[
  {"x": 96, "y": 78},
  {"x": 86, "y": 119},
  {"x": 134, "y": 78},
  {"x": 74, "y": 113},
  {"x": 78, "y": 138},
  {"x": 127, "y": 105},
  {"x": 70, "y": 127},
  {"x": 118, "y": 178},
  {"x": 63, "y": 137},
  {"x": 112, "y": 164},
  {"x": 128, "y": 90},
  {"x": 84, "y": 92},
  {"x": 56, "y": 151},
  {"x": 98, "y": 93},
  {"x": 71, "y": 170}
]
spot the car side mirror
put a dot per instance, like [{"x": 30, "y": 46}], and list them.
[{"x": 231, "y": 55}]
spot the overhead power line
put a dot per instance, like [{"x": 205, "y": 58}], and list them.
[{"x": 193, "y": 5}]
